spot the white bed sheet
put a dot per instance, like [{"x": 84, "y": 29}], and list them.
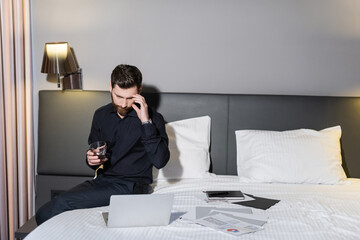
[{"x": 304, "y": 212}]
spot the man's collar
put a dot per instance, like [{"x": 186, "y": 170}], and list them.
[{"x": 131, "y": 113}]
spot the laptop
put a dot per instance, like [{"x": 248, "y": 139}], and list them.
[{"x": 139, "y": 210}]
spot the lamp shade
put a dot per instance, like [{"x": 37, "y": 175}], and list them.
[{"x": 58, "y": 59}]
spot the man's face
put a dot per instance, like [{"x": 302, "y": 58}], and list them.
[{"x": 122, "y": 99}]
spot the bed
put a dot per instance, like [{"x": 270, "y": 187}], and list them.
[
  {"x": 304, "y": 212},
  {"x": 319, "y": 196}
]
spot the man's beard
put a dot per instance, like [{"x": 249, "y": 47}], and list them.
[{"x": 119, "y": 109}]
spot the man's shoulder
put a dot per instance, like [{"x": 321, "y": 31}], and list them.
[
  {"x": 154, "y": 114},
  {"x": 153, "y": 111},
  {"x": 103, "y": 109}
]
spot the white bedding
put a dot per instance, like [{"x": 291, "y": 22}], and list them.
[{"x": 304, "y": 212}]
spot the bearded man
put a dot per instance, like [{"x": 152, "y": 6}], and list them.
[{"x": 135, "y": 139}]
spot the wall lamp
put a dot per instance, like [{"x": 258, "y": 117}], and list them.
[{"x": 59, "y": 58}]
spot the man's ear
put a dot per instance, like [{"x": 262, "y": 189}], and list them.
[
  {"x": 140, "y": 89},
  {"x": 110, "y": 87}
]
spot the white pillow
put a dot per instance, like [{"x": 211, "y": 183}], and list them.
[
  {"x": 296, "y": 156},
  {"x": 189, "y": 142}
]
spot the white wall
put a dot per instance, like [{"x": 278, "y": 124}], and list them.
[{"x": 309, "y": 47}]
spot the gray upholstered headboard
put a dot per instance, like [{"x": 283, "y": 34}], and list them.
[{"x": 65, "y": 119}]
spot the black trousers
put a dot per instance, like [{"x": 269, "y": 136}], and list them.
[{"x": 91, "y": 193}]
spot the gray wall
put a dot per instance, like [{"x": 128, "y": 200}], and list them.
[{"x": 309, "y": 47}]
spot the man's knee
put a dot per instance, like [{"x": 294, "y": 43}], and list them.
[
  {"x": 52, "y": 208},
  {"x": 41, "y": 216}
]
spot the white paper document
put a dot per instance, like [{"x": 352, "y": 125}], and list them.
[
  {"x": 259, "y": 220},
  {"x": 228, "y": 224},
  {"x": 199, "y": 212},
  {"x": 234, "y": 221}
]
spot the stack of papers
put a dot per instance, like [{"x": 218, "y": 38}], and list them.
[
  {"x": 248, "y": 200},
  {"x": 234, "y": 221},
  {"x": 224, "y": 195},
  {"x": 214, "y": 199}
]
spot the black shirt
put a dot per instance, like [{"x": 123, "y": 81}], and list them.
[{"x": 132, "y": 148}]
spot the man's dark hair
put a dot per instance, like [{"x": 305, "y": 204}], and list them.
[{"x": 126, "y": 76}]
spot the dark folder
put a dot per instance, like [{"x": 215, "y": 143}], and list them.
[{"x": 258, "y": 202}]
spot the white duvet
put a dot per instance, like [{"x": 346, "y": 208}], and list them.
[{"x": 304, "y": 212}]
